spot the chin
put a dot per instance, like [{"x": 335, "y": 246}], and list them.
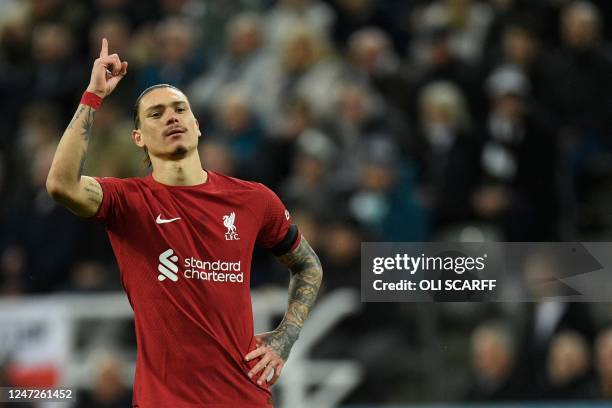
[{"x": 179, "y": 152}]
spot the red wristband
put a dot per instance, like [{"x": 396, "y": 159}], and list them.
[{"x": 91, "y": 99}]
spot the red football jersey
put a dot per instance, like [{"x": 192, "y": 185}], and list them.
[{"x": 184, "y": 253}]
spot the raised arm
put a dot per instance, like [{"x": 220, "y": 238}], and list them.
[
  {"x": 274, "y": 346},
  {"x": 81, "y": 194}
]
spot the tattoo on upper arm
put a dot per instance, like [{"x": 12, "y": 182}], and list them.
[
  {"x": 306, "y": 275},
  {"x": 302, "y": 257},
  {"x": 94, "y": 192}
]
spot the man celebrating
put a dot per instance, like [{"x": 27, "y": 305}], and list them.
[{"x": 183, "y": 238}]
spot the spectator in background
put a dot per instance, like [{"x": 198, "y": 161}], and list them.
[
  {"x": 521, "y": 49},
  {"x": 569, "y": 368},
  {"x": 40, "y": 124},
  {"x": 218, "y": 157},
  {"x": 512, "y": 13},
  {"x": 341, "y": 245},
  {"x": 306, "y": 71},
  {"x": 581, "y": 98},
  {"x": 137, "y": 13},
  {"x": 282, "y": 19},
  {"x": 108, "y": 388},
  {"x": 545, "y": 317},
  {"x": 31, "y": 261},
  {"x": 361, "y": 118},
  {"x": 603, "y": 363},
  {"x": 243, "y": 64},
  {"x": 446, "y": 149},
  {"x": 278, "y": 152},
  {"x": 436, "y": 61},
  {"x": 30, "y": 223},
  {"x": 13, "y": 265},
  {"x": 70, "y": 14},
  {"x": 90, "y": 276},
  {"x": 520, "y": 46},
  {"x": 176, "y": 60},
  {"x": 582, "y": 74},
  {"x": 384, "y": 202},
  {"x": 57, "y": 71},
  {"x": 15, "y": 74},
  {"x": 355, "y": 15},
  {"x": 493, "y": 363},
  {"x": 375, "y": 63},
  {"x": 308, "y": 185},
  {"x": 239, "y": 127},
  {"x": 181, "y": 8},
  {"x": 468, "y": 21},
  {"x": 517, "y": 188}
]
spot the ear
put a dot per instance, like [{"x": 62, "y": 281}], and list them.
[
  {"x": 198, "y": 128},
  {"x": 137, "y": 138}
]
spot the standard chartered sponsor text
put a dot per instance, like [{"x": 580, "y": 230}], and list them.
[{"x": 215, "y": 271}]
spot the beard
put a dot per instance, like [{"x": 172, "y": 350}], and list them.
[{"x": 179, "y": 152}]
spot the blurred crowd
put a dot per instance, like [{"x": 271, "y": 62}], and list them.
[{"x": 373, "y": 121}]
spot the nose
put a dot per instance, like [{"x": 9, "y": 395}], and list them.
[{"x": 172, "y": 117}]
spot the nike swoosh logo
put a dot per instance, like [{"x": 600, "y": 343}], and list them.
[{"x": 160, "y": 220}]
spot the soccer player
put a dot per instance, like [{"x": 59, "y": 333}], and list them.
[{"x": 183, "y": 238}]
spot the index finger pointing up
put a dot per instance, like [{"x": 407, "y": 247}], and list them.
[{"x": 104, "y": 50}]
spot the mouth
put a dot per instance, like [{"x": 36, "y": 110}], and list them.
[{"x": 174, "y": 131}]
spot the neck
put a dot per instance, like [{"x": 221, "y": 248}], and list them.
[{"x": 184, "y": 172}]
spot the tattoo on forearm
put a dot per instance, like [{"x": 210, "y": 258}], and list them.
[
  {"x": 88, "y": 123},
  {"x": 306, "y": 275},
  {"x": 85, "y": 129},
  {"x": 283, "y": 338},
  {"x": 82, "y": 164},
  {"x": 77, "y": 115}
]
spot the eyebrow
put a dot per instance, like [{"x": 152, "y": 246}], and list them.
[{"x": 161, "y": 105}]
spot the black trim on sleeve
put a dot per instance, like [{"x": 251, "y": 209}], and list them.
[{"x": 286, "y": 243}]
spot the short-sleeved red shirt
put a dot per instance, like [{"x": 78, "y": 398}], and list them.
[{"x": 184, "y": 253}]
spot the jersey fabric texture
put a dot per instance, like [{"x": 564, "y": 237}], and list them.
[{"x": 184, "y": 255}]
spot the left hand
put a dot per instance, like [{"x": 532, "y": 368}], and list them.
[{"x": 269, "y": 359}]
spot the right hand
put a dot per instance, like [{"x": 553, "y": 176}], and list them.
[{"x": 107, "y": 71}]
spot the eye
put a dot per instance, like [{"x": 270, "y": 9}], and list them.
[
  {"x": 155, "y": 114},
  {"x": 181, "y": 109}
]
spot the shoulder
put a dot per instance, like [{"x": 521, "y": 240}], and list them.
[
  {"x": 255, "y": 194},
  {"x": 233, "y": 183},
  {"x": 124, "y": 184}
]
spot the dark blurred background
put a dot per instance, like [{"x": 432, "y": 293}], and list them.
[{"x": 373, "y": 120}]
